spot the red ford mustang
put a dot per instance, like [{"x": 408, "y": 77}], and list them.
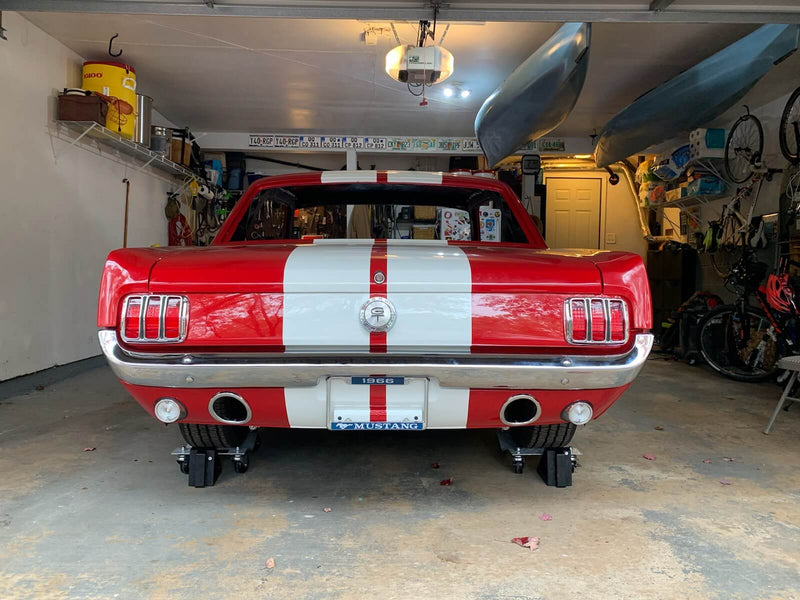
[{"x": 375, "y": 300}]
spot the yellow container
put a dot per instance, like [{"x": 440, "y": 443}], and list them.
[{"x": 117, "y": 81}]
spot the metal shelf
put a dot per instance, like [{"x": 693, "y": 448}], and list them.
[
  {"x": 691, "y": 201},
  {"x": 125, "y": 146}
]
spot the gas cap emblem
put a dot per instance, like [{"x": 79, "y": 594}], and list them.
[{"x": 378, "y": 314}]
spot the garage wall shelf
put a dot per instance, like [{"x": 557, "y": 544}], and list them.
[
  {"x": 691, "y": 201},
  {"x": 111, "y": 139}
]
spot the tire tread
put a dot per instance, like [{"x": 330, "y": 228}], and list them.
[
  {"x": 544, "y": 436},
  {"x": 213, "y": 436}
]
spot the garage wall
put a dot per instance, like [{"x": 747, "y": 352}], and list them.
[
  {"x": 617, "y": 210},
  {"x": 62, "y": 211},
  {"x": 335, "y": 161}
]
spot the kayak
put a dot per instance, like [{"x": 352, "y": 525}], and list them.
[
  {"x": 537, "y": 96},
  {"x": 697, "y": 96}
]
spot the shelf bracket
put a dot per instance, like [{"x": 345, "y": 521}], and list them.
[
  {"x": 145, "y": 165},
  {"x": 77, "y": 139}
]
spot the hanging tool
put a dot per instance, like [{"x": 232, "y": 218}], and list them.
[
  {"x": 111, "y": 41},
  {"x": 127, "y": 183}
]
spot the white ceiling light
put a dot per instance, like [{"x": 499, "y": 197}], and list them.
[
  {"x": 464, "y": 93},
  {"x": 419, "y": 65},
  {"x": 448, "y": 91}
]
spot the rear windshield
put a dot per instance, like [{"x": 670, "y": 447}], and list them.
[{"x": 390, "y": 211}]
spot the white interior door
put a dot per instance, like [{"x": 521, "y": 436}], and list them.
[{"x": 573, "y": 213}]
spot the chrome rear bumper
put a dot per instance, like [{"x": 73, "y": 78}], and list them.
[{"x": 567, "y": 372}]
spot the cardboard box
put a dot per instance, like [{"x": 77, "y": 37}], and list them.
[
  {"x": 424, "y": 232},
  {"x": 425, "y": 213},
  {"x": 175, "y": 152}
]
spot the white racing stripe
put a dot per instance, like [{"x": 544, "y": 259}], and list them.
[
  {"x": 448, "y": 408},
  {"x": 349, "y": 177},
  {"x": 430, "y": 286},
  {"x": 307, "y": 407},
  {"x": 324, "y": 288},
  {"x": 413, "y": 177}
]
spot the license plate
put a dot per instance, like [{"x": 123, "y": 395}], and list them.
[
  {"x": 378, "y": 380},
  {"x": 377, "y": 403}
]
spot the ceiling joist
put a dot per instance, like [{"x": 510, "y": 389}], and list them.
[{"x": 413, "y": 10}]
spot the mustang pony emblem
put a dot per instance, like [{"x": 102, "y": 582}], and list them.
[{"x": 378, "y": 314}]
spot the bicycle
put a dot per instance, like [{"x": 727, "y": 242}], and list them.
[
  {"x": 742, "y": 341},
  {"x": 789, "y": 130},
  {"x": 744, "y": 147}
]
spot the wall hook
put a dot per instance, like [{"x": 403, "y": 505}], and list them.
[{"x": 111, "y": 41}]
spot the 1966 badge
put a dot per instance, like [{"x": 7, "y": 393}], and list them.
[{"x": 378, "y": 314}]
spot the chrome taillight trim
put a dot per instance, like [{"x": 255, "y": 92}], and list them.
[
  {"x": 163, "y": 300},
  {"x": 587, "y": 307}
]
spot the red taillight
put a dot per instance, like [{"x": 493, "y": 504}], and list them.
[
  {"x": 132, "y": 314},
  {"x": 579, "y": 321},
  {"x": 164, "y": 318},
  {"x": 595, "y": 321},
  {"x": 172, "y": 318},
  {"x": 598, "y": 321},
  {"x": 617, "y": 321},
  {"x": 151, "y": 317}
]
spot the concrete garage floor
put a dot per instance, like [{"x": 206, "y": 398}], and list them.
[{"x": 120, "y": 522}]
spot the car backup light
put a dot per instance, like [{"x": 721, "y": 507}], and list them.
[
  {"x": 169, "y": 410},
  {"x": 578, "y": 413},
  {"x": 154, "y": 319},
  {"x": 595, "y": 321}
]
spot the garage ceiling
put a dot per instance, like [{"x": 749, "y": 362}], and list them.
[
  {"x": 294, "y": 76},
  {"x": 673, "y": 11}
]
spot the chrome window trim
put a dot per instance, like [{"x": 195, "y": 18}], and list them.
[
  {"x": 587, "y": 303},
  {"x": 163, "y": 299}
]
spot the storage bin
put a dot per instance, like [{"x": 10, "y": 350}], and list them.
[
  {"x": 424, "y": 232},
  {"x": 425, "y": 213},
  {"x": 705, "y": 186},
  {"x": 82, "y": 108}
]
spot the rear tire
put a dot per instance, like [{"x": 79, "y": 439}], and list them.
[
  {"x": 543, "y": 436},
  {"x": 213, "y": 436}
]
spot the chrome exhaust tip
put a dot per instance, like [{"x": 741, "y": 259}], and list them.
[
  {"x": 229, "y": 408},
  {"x": 521, "y": 409}
]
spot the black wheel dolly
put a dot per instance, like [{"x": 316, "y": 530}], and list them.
[
  {"x": 203, "y": 465},
  {"x": 555, "y": 467}
]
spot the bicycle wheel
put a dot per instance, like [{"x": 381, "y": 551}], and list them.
[
  {"x": 724, "y": 259},
  {"x": 743, "y": 148},
  {"x": 789, "y": 131},
  {"x": 721, "y": 341}
]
